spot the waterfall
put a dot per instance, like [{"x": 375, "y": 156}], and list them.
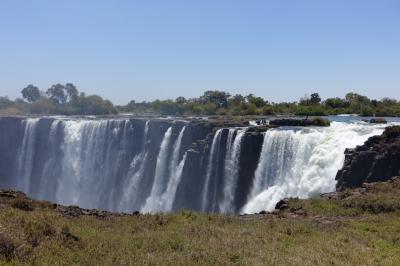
[
  {"x": 129, "y": 200},
  {"x": 231, "y": 170},
  {"x": 176, "y": 167},
  {"x": 49, "y": 173},
  {"x": 170, "y": 193},
  {"x": 83, "y": 162},
  {"x": 93, "y": 151},
  {"x": 151, "y": 165},
  {"x": 153, "y": 201},
  {"x": 26, "y": 154},
  {"x": 302, "y": 162},
  {"x": 212, "y": 158}
]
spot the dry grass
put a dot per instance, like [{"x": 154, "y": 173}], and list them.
[
  {"x": 189, "y": 238},
  {"x": 329, "y": 232},
  {"x": 22, "y": 203}
]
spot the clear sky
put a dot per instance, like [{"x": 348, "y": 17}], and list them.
[{"x": 145, "y": 50}]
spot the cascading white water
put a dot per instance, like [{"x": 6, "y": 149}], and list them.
[
  {"x": 175, "y": 174},
  {"x": 86, "y": 163},
  {"x": 83, "y": 165},
  {"x": 137, "y": 167},
  {"x": 127, "y": 165},
  {"x": 92, "y": 152},
  {"x": 48, "y": 175},
  {"x": 302, "y": 162},
  {"x": 231, "y": 169},
  {"x": 153, "y": 201},
  {"x": 169, "y": 195},
  {"x": 176, "y": 152},
  {"x": 25, "y": 157},
  {"x": 211, "y": 158}
]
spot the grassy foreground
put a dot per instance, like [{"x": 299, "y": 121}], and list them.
[{"x": 360, "y": 227}]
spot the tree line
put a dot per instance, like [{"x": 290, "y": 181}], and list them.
[
  {"x": 58, "y": 99},
  {"x": 214, "y": 102},
  {"x": 67, "y": 100}
]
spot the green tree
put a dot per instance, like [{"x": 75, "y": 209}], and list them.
[
  {"x": 257, "y": 101},
  {"x": 314, "y": 98},
  {"x": 57, "y": 94},
  {"x": 388, "y": 101},
  {"x": 180, "y": 100},
  {"x": 95, "y": 105},
  {"x": 335, "y": 103},
  {"x": 5, "y": 102},
  {"x": 219, "y": 98},
  {"x": 237, "y": 100},
  {"x": 72, "y": 93},
  {"x": 305, "y": 100},
  {"x": 31, "y": 93},
  {"x": 355, "y": 98}
]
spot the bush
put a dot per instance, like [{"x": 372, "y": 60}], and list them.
[
  {"x": 36, "y": 231},
  {"x": 7, "y": 247},
  {"x": 311, "y": 111},
  {"x": 67, "y": 235},
  {"x": 22, "y": 203},
  {"x": 321, "y": 122},
  {"x": 268, "y": 110}
]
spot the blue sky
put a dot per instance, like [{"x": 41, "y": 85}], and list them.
[{"x": 145, "y": 50}]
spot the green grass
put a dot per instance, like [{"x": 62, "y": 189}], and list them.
[
  {"x": 187, "y": 238},
  {"x": 329, "y": 232}
]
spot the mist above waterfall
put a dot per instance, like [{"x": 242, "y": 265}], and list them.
[{"x": 160, "y": 166}]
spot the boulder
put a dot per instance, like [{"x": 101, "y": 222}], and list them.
[{"x": 282, "y": 204}]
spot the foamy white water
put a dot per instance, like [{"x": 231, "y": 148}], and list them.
[
  {"x": 25, "y": 157},
  {"x": 129, "y": 200},
  {"x": 303, "y": 162},
  {"x": 129, "y": 165},
  {"x": 211, "y": 158},
  {"x": 231, "y": 170},
  {"x": 153, "y": 202}
]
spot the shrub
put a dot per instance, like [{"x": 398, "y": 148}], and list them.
[
  {"x": 66, "y": 234},
  {"x": 36, "y": 231},
  {"x": 22, "y": 203},
  {"x": 321, "y": 122},
  {"x": 7, "y": 247},
  {"x": 268, "y": 110}
]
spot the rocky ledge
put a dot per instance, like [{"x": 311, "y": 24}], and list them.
[
  {"x": 375, "y": 121},
  {"x": 317, "y": 121},
  {"x": 20, "y": 200},
  {"x": 378, "y": 159}
]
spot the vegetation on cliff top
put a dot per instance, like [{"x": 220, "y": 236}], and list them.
[
  {"x": 65, "y": 99},
  {"x": 358, "y": 227},
  {"x": 58, "y": 99},
  {"x": 222, "y": 103}
]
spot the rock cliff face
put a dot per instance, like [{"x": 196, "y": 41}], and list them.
[{"x": 377, "y": 160}]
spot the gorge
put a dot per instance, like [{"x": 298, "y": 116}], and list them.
[{"x": 162, "y": 165}]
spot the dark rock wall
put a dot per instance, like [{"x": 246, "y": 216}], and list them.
[
  {"x": 11, "y": 133},
  {"x": 377, "y": 160}
]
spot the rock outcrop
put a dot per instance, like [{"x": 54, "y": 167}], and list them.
[
  {"x": 317, "y": 121},
  {"x": 377, "y": 160},
  {"x": 375, "y": 121}
]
